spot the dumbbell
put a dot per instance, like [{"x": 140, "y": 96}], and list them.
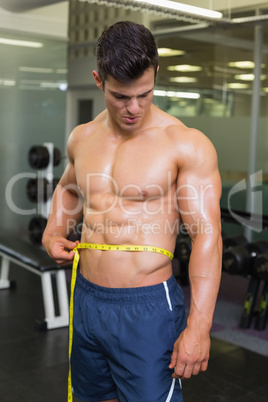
[
  {"x": 183, "y": 249},
  {"x": 233, "y": 241},
  {"x": 228, "y": 243},
  {"x": 38, "y": 157},
  {"x": 41, "y": 186},
  {"x": 247, "y": 259},
  {"x": 238, "y": 260},
  {"x": 260, "y": 266},
  {"x": 36, "y": 228},
  {"x": 182, "y": 253}
]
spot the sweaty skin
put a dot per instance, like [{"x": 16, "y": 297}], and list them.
[{"x": 134, "y": 174}]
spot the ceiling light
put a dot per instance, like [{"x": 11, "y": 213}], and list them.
[
  {"x": 13, "y": 42},
  {"x": 36, "y": 70},
  {"x": 49, "y": 84},
  {"x": 244, "y": 64},
  {"x": 32, "y": 82},
  {"x": 184, "y": 8},
  {"x": 7, "y": 83},
  {"x": 61, "y": 71},
  {"x": 183, "y": 79},
  {"x": 42, "y": 70},
  {"x": 184, "y": 68},
  {"x": 237, "y": 85},
  {"x": 30, "y": 87},
  {"x": 241, "y": 64},
  {"x": 248, "y": 77},
  {"x": 61, "y": 85},
  {"x": 167, "y": 52},
  {"x": 174, "y": 94}
]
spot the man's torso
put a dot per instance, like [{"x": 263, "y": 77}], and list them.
[{"x": 129, "y": 191}]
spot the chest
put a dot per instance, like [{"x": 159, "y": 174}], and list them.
[{"x": 135, "y": 168}]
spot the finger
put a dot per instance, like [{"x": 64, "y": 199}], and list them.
[
  {"x": 63, "y": 263},
  {"x": 196, "y": 369},
  {"x": 173, "y": 359},
  {"x": 179, "y": 370},
  {"x": 204, "y": 366},
  {"x": 188, "y": 371},
  {"x": 67, "y": 255},
  {"x": 63, "y": 256},
  {"x": 70, "y": 244}
]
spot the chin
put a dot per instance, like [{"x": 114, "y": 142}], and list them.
[{"x": 130, "y": 127}]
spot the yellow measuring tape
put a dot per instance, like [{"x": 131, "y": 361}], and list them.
[{"x": 103, "y": 247}]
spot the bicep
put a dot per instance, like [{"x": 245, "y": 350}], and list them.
[
  {"x": 68, "y": 179},
  {"x": 199, "y": 192}
]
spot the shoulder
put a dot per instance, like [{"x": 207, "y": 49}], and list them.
[
  {"x": 191, "y": 145},
  {"x": 196, "y": 159},
  {"x": 83, "y": 132}
]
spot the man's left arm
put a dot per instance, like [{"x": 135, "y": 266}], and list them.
[{"x": 199, "y": 192}]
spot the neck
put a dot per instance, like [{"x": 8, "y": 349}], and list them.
[{"x": 129, "y": 131}]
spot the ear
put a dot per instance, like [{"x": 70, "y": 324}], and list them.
[{"x": 98, "y": 80}]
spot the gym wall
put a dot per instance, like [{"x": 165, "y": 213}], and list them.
[{"x": 32, "y": 112}]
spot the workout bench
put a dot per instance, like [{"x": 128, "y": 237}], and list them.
[{"x": 36, "y": 260}]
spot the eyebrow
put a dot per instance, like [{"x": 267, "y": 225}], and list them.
[{"x": 126, "y": 96}]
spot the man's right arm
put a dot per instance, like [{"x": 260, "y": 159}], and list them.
[{"x": 66, "y": 210}]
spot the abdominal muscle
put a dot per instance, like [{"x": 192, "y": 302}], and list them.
[{"x": 125, "y": 269}]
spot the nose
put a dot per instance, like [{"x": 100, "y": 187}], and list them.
[{"x": 133, "y": 106}]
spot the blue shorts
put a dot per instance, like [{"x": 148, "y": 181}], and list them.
[{"x": 123, "y": 340}]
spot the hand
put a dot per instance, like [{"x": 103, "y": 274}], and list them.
[
  {"x": 58, "y": 248},
  {"x": 190, "y": 353}
]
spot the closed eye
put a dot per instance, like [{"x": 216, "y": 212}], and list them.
[
  {"x": 125, "y": 97},
  {"x": 120, "y": 96},
  {"x": 145, "y": 94}
]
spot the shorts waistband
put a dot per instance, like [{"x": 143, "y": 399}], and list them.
[{"x": 119, "y": 295}]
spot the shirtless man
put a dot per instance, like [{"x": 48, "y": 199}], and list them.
[{"x": 136, "y": 172}]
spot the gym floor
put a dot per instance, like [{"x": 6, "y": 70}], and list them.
[{"x": 34, "y": 365}]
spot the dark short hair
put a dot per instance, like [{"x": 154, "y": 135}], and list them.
[{"x": 125, "y": 51}]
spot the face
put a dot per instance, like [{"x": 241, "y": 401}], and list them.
[{"x": 128, "y": 104}]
